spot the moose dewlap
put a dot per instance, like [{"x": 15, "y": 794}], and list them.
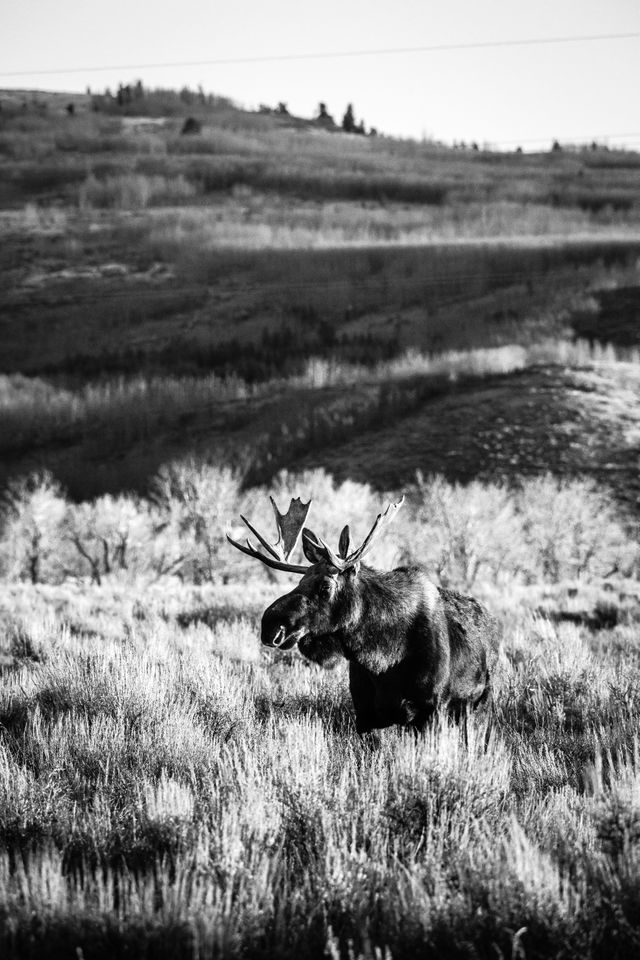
[{"x": 412, "y": 646}]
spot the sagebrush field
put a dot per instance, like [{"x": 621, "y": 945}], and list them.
[
  {"x": 192, "y": 322},
  {"x": 167, "y": 789}
]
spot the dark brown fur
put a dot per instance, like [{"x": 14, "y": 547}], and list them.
[{"x": 412, "y": 647}]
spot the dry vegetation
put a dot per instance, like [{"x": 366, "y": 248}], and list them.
[
  {"x": 479, "y": 532},
  {"x": 168, "y": 790},
  {"x": 223, "y": 292},
  {"x": 184, "y": 316}
]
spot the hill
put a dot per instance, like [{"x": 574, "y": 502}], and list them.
[
  {"x": 138, "y": 263},
  {"x": 571, "y": 421}
]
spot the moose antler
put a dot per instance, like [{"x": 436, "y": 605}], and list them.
[
  {"x": 382, "y": 520},
  {"x": 342, "y": 560},
  {"x": 289, "y": 526}
]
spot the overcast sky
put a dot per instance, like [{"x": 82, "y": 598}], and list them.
[{"x": 503, "y": 95}]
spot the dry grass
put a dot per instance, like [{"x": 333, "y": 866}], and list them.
[
  {"x": 169, "y": 791},
  {"x": 253, "y": 220},
  {"x": 133, "y": 191}
]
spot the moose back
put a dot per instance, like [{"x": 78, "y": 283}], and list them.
[{"x": 412, "y": 647}]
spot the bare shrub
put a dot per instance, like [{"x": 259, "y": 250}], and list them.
[
  {"x": 547, "y": 531},
  {"x": 40, "y": 219},
  {"x": 32, "y": 517},
  {"x": 571, "y": 530},
  {"x": 116, "y": 535},
  {"x": 195, "y": 501},
  {"x": 466, "y": 533}
]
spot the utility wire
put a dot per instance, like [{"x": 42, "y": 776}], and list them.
[{"x": 337, "y": 54}]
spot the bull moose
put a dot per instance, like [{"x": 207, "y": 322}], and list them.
[{"x": 412, "y": 647}]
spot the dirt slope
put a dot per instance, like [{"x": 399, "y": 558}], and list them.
[{"x": 569, "y": 422}]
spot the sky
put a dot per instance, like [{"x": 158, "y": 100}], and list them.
[{"x": 500, "y": 95}]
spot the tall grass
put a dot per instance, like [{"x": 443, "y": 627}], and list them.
[
  {"x": 257, "y": 221},
  {"x": 34, "y": 411},
  {"x": 133, "y": 191},
  {"x": 164, "y": 794}
]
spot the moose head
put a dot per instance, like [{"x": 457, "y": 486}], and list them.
[{"x": 326, "y": 601}]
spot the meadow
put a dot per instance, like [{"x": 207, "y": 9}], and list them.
[
  {"x": 169, "y": 790},
  {"x": 192, "y": 322}
]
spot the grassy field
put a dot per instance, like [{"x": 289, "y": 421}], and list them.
[
  {"x": 169, "y": 790},
  {"x": 192, "y": 322}
]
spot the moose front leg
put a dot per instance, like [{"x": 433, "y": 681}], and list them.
[
  {"x": 363, "y": 694},
  {"x": 377, "y": 704}
]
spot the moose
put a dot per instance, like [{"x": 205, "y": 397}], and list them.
[{"x": 413, "y": 648}]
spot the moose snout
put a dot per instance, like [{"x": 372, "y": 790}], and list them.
[
  {"x": 280, "y": 629},
  {"x": 278, "y": 635}
]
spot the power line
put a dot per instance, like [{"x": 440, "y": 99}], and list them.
[{"x": 336, "y": 54}]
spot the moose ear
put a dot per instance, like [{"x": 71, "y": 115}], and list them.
[
  {"x": 343, "y": 546},
  {"x": 311, "y": 548}
]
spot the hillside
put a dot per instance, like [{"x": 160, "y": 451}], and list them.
[
  {"x": 569, "y": 421},
  {"x": 138, "y": 262}
]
